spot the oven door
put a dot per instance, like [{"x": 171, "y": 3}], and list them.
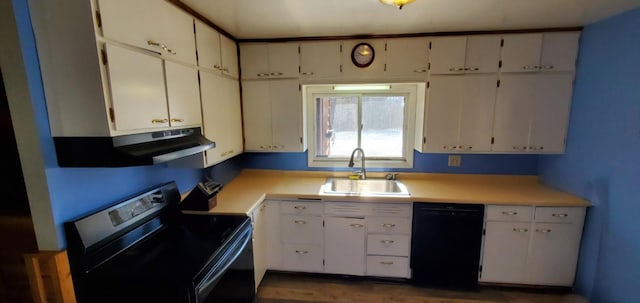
[{"x": 231, "y": 280}]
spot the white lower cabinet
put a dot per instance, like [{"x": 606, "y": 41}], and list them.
[
  {"x": 344, "y": 245},
  {"x": 388, "y": 266},
  {"x": 259, "y": 242},
  {"x": 301, "y": 233},
  {"x": 532, "y": 245}
]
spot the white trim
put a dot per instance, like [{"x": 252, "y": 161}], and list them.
[{"x": 415, "y": 92}]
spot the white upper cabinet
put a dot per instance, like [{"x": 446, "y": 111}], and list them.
[
  {"x": 183, "y": 95},
  {"x": 459, "y": 120},
  {"x": 269, "y": 60},
  {"x": 222, "y": 117},
  {"x": 373, "y": 71},
  {"x": 540, "y": 52},
  {"x": 272, "y": 112},
  {"x": 464, "y": 54},
  {"x": 216, "y": 51},
  {"x": 320, "y": 59},
  {"x": 532, "y": 112},
  {"x": 154, "y": 25},
  {"x": 407, "y": 58}
]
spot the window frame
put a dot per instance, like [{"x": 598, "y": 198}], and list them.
[{"x": 413, "y": 91}]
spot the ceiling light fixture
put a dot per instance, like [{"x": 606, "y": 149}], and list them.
[{"x": 397, "y": 3}]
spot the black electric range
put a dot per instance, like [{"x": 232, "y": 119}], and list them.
[{"x": 144, "y": 249}]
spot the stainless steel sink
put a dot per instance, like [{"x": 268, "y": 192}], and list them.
[{"x": 368, "y": 187}]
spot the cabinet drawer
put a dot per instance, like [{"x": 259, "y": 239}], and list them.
[
  {"x": 302, "y": 257},
  {"x": 353, "y": 209},
  {"x": 559, "y": 214},
  {"x": 389, "y": 225},
  {"x": 391, "y": 209},
  {"x": 388, "y": 245},
  {"x": 301, "y": 208},
  {"x": 385, "y": 266},
  {"x": 301, "y": 229},
  {"x": 509, "y": 213}
]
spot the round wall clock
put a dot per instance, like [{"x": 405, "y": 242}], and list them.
[{"x": 362, "y": 54}]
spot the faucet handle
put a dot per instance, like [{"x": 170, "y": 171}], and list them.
[{"x": 391, "y": 176}]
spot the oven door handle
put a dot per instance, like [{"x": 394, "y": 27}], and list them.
[{"x": 236, "y": 248}]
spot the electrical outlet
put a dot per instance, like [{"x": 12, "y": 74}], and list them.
[{"x": 455, "y": 160}]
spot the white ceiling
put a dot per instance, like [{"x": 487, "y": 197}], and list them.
[{"x": 263, "y": 19}]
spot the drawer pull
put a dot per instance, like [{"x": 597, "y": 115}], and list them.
[
  {"x": 357, "y": 225},
  {"x": 560, "y": 215},
  {"x": 386, "y": 241},
  {"x": 300, "y": 207},
  {"x": 388, "y": 225},
  {"x": 302, "y": 252},
  {"x": 510, "y": 213},
  {"x": 386, "y": 262},
  {"x": 521, "y": 230},
  {"x": 300, "y": 222},
  {"x": 544, "y": 231}
]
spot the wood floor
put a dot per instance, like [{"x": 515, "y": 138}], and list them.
[{"x": 279, "y": 287}]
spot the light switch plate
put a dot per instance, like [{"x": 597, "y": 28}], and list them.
[{"x": 455, "y": 160}]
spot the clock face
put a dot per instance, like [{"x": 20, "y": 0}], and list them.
[{"x": 362, "y": 55}]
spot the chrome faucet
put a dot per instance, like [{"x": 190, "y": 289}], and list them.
[{"x": 363, "y": 172}]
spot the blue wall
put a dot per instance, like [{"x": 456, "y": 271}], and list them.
[
  {"x": 602, "y": 160},
  {"x": 77, "y": 191},
  {"x": 428, "y": 163}
]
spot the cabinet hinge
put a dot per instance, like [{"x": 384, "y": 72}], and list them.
[
  {"x": 429, "y": 44},
  {"x": 424, "y": 140},
  {"x": 340, "y": 67},
  {"x": 429, "y": 66},
  {"x": 112, "y": 115},
  {"x": 98, "y": 19},
  {"x": 484, "y": 232},
  {"x": 385, "y": 46},
  {"x": 480, "y": 269},
  {"x": 104, "y": 56},
  {"x": 299, "y": 87},
  {"x": 493, "y": 140},
  {"x": 300, "y": 140},
  {"x": 299, "y": 69},
  {"x": 498, "y": 83},
  {"x": 298, "y": 49},
  {"x": 385, "y": 67},
  {"x": 322, "y": 262},
  {"x": 428, "y": 84},
  {"x": 501, "y": 42},
  {"x": 500, "y": 64}
]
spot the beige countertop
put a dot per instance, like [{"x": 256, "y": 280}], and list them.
[{"x": 251, "y": 187}]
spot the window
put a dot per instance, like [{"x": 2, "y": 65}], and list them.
[{"x": 377, "y": 118}]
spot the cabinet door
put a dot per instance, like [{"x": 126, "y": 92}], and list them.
[
  {"x": 222, "y": 116},
  {"x": 476, "y": 112},
  {"x": 301, "y": 229},
  {"x": 559, "y": 51},
  {"x": 554, "y": 254},
  {"x": 254, "y": 61},
  {"x": 407, "y": 58},
  {"x": 208, "y": 44},
  {"x": 482, "y": 54},
  {"x": 551, "y": 112},
  {"x": 521, "y": 52},
  {"x": 505, "y": 252},
  {"x": 183, "y": 94},
  {"x": 229, "y": 57},
  {"x": 274, "y": 237},
  {"x": 137, "y": 88},
  {"x": 283, "y": 60},
  {"x": 443, "y": 113},
  {"x": 447, "y": 55},
  {"x": 119, "y": 17},
  {"x": 177, "y": 34},
  {"x": 286, "y": 115},
  {"x": 256, "y": 110},
  {"x": 344, "y": 245},
  {"x": 259, "y": 243},
  {"x": 514, "y": 107},
  {"x": 320, "y": 59}
]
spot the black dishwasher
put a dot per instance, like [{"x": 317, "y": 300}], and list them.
[{"x": 446, "y": 244}]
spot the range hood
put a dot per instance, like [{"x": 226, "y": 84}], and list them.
[{"x": 130, "y": 150}]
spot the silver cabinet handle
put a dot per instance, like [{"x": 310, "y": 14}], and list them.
[
  {"x": 386, "y": 262},
  {"x": 386, "y": 241},
  {"x": 302, "y": 252},
  {"x": 159, "y": 121},
  {"x": 388, "y": 225},
  {"x": 520, "y": 147},
  {"x": 217, "y": 67},
  {"x": 263, "y": 75},
  {"x": 547, "y": 67},
  {"x": 449, "y": 147},
  {"x": 420, "y": 71},
  {"x": 531, "y": 67},
  {"x": 473, "y": 69},
  {"x": 301, "y": 222},
  {"x": 161, "y": 45},
  {"x": 560, "y": 215},
  {"x": 510, "y": 213},
  {"x": 300, "y": 207},
  {"x": 356, "y": 225},
  {"x": 456, "y": 69},
  {"x": 276, "y": 74},
  {"x": 465, "y": 147},
  {"x": 544, "y": 231},
  {"x": 536, "y": 147},
  {"x": 177, "y": 120},
  {"x": 520, "y": 230},
  {"x": 307, "y": 73}
]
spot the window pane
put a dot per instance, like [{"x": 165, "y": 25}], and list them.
[
  {"x": 383, "y": 126},
  {"x": 336, "y": 125}
]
